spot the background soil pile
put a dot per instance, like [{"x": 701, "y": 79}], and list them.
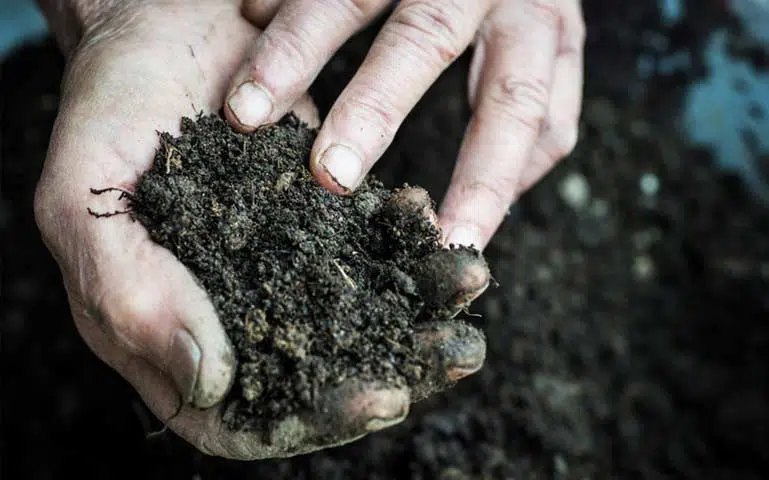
[{"x": 628, "y": 336}]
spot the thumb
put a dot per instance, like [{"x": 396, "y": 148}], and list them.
[{"x": 153, "y": 308}]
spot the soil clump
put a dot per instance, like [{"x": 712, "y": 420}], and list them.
[{"x": 312, "y": 288}]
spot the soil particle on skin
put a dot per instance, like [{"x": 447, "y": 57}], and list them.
[{"x": 312, "y": 288}]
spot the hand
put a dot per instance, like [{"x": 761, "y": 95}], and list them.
[
  {"x": 138, "y": 68},
  {"x": 525, "y": 86}
]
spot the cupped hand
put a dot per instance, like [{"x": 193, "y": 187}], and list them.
[
  {"x": 525, "y": 86},
  {"x": 136, "y": 69}
]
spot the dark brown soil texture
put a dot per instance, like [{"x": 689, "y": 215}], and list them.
[
  {"x": 313, "y": 289},
  {"x": 627, "y": 339}
]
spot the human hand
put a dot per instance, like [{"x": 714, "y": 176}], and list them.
[
  {"x": 137, "y": 68},
  {"x": 525, "y": 85}
]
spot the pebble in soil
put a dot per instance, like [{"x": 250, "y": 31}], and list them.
[{"x": 312, "y": 288}]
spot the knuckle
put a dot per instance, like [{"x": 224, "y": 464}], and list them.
[
  {"x": 546, "y": 12},
  {"x": 287, "y": 46},
  {"x": 360, "y": 9},
  {"x": 496, "y": 191},
  {"x": 522, "y": 102},
  {"x": 366, "y": 112},
  {"x": 431, "y": 28}
]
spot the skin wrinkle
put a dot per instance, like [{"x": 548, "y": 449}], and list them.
[
  {"x": 74, "y": 20},
  {"x": 433, "y": 20}
]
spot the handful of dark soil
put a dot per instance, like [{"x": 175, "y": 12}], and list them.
[{"x": 311, "y": 287}]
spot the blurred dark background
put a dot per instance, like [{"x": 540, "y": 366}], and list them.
[{"x": 628, "y": 337}]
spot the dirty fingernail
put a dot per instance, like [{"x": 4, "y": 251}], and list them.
[
  {"x": 387, "y": 408},
  {"x": 251, "y": 104},
  {"x": 184, "y": 364},
  {"x": 464, "y": 353},
  {"x": 376, "y": 424},
  {"x": 464, "y": 235},
  {"x": 385, "y": 419},
  {"x": 343, "y": 165}
]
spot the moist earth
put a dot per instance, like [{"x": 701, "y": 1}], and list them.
[
  {"x": 627, "y": 337},
  {"x": 314, "y": 289}
]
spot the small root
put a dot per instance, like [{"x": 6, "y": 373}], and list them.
[
  {"x": 108, "y": 214},
  {"x": 346, "y": 277},
  {"x": 163, "y": 430},
  {"x": 123, "y": 193},
  {"x": 173, "y": 158},
  {"x": 156, "y": 433}
]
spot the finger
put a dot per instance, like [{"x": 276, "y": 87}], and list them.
[
  {"x": 340, "y": 416},
  {"x": 306, "y": 110},
  {"x": 561, "y": 129},
  {"x": 414, "y": 199},
  {"x": 355, "y": 409},
  {"x": 289, "y": 54},
  {"x": 415, "y": 45},
  {"x": 260, "y": 12},
  {"x": 452, "y": 278},
  {"x": 511, "y": 105},
  {"x": 451, "y": 350},
  {"x": 153, "y": 308}
]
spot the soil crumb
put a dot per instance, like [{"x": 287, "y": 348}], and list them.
[{"x": 312, "y": 288}]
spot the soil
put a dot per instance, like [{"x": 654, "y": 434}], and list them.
[
  {"x": 313, "y": 289},
  {"x": 627, "y": 337}
]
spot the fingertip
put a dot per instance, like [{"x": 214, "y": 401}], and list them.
[
  {"x": 416, "y": 198},
  {"x": 475, "y": 276},
  {"x": 306, "y": 111},
  {"x": 356, "y": 408},
  {"x": 248, "y": 106},
  {"x": 451, "y": 350},
  {"x": 460, "y": 349},
  {"x": 338, "y": 168},
  {"x": 382, "y": 408},
  {"x": 464, "y": 236},
  {"x": 260, "y": 12},
  {"x": 453, "y": 277}
]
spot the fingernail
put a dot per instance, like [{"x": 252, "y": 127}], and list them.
[
  {"x": 464, "y": 235},
  {"x": 388, "y": 408},
  {"x": 464, "y": 353},
  {"x": 387, "y": 419},
  {"x": 251, "y": 104},
  {"x": 343, "y": 165},
  {"x": 376, "y": 424},
  {"x": 184, "y": 364}
]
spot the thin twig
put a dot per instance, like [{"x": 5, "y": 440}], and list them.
[
  {"x": 108, "y": 214},
  {"x": 123, "y": 193},
  {"x": 346, "y": 277}
]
